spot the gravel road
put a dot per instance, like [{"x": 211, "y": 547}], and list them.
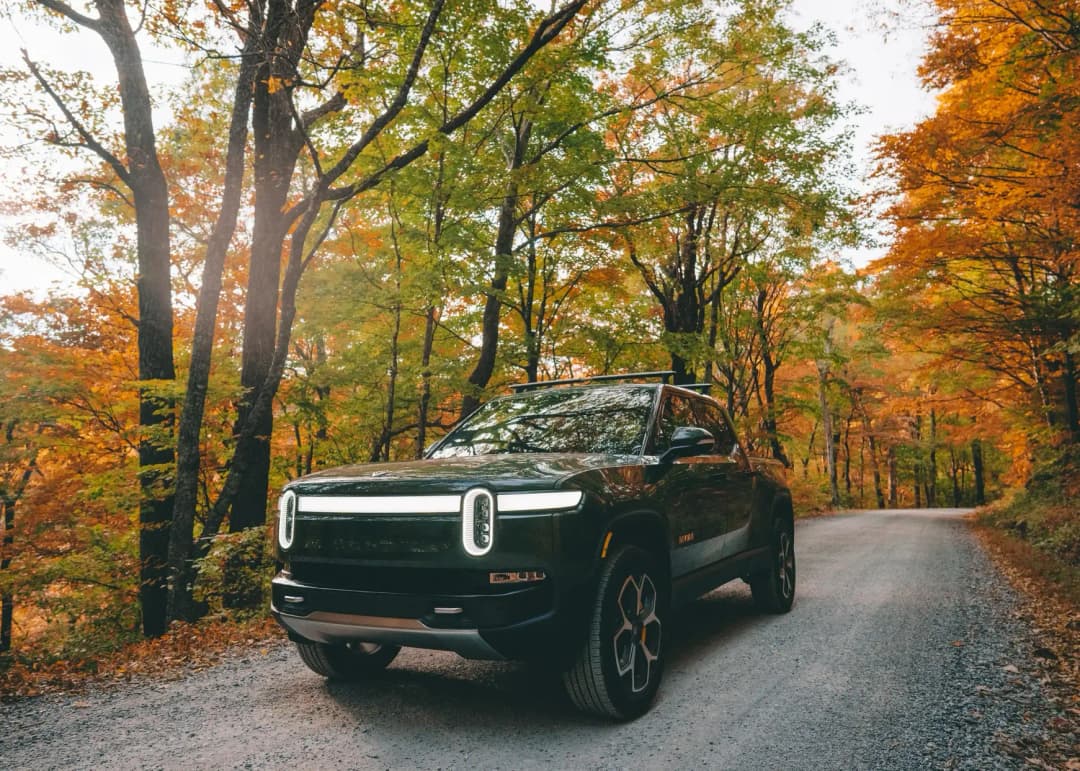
[{"x": 898, "y": 654}]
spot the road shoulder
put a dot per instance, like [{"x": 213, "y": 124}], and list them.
[{"x": 1046, "y": 679}]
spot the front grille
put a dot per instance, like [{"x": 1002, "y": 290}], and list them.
[{"x": 424, "y": 581}]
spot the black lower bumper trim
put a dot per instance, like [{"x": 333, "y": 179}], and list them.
[{"x": 295, "y": 601}]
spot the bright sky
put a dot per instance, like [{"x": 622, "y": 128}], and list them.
[{"x": 881, "y": 42}]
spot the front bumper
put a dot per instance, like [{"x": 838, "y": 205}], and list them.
[
  {"x": 496, "y": 625},
  {"x": 340, "y": 628}
]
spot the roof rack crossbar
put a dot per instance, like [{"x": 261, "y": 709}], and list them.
[{"x": 664, "y": 375}]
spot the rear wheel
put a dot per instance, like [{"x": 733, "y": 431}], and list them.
[
  {"x": 617, "y": 671},
  {"x": 354, "y": 661},
  {"x": 774, "y": 588}
]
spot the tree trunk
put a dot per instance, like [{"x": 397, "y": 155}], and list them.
[
  {"x": 768, "y": 366},
  {"x": 381, "y": 451},
  {"x": 827, "y": 432},
  {"x": 892, "y": 478},
  {"x": 862, "y": 472},
  {"x": 322, "y": 393},
  {"x": 276, "y": 145},
  {"x": 188, "y": 458},
  {"x": 916, "y": 471},
  {"x": 1041, "y": 389},
  {"x": 977, "y": 464},
  {"x": 425, "y": 381},
  {"x": 847, "y": 454},
  {"x": 713, "y": 335},
  {"x": 931, "y": 468},
  {"x": 1072, "y": 411},
  {"x": 879, "y": 495},
  {"x": 809, "y": 451},
  {"x": 954, "y": 468},
  {"x": 504, "y": 247},
  {"x": 489, "y": 330},
  {"x": 771, "y": 429},
  {"x": 531, "y": 318},
  {"x": 7, "y": 599},
  {"x": 150, "y": 196}
]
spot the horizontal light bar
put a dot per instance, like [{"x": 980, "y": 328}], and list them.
[
  {"x": 564, "y": 499},
  {"x": 386, "y": 504},
  {"x": 516, "y": 576},
  {"x": 432, "y": 504}
]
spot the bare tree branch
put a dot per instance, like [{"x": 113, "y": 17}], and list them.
[{"x": 89, "y": 140}]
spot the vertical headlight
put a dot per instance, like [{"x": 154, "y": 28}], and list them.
[
  {"x": 478, "y": 521},
  {"x": 286, "y": 526}
]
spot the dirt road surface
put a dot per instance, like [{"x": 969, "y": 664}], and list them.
[{"x": 899, "y": 653}]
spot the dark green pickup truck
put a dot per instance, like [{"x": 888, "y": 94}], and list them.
[{"x": 559, "y": 524}]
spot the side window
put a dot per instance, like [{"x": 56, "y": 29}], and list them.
[
  {"x": 713, "y": 418},
  {"x": 677, "y": 411}
]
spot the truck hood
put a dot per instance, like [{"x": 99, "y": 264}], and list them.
[{"x": 518, "y": 471}]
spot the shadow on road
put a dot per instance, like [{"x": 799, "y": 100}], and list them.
[{"x": 430, "y": 688}]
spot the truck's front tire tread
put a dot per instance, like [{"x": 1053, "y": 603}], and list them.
[{"x": 592, "y": 683}]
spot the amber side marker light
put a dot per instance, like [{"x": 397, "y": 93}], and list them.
[{"x": 517, "y": 576}]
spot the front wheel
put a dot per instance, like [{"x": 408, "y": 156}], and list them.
[
  {"x": 617, "y": 671},
  {"x": 354, "y": 661},
  {"x": 774, "y": 588}
]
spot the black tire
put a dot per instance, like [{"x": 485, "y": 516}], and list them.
[
  {"x": 355, "y": 661},
  {"x": 774, "y": 589},
  {"x": 617, "y": 671}
]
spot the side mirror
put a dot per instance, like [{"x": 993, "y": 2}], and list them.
[{"x": 689, "y": 440}]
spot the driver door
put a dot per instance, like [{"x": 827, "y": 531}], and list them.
[{"x": 692, "y": 490}]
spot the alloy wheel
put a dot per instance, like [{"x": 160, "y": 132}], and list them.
[
  {"x": 786, "y": 565},
  {"x": 637, "y": 638}
]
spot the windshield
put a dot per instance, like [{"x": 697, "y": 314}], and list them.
[{"x": 593, "y": 420}]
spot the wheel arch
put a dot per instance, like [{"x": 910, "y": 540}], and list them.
[
  {"x": 768, "y": 509},
  {"x": 783, "y": 509},
  {"x": 645, "y": 529}
]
